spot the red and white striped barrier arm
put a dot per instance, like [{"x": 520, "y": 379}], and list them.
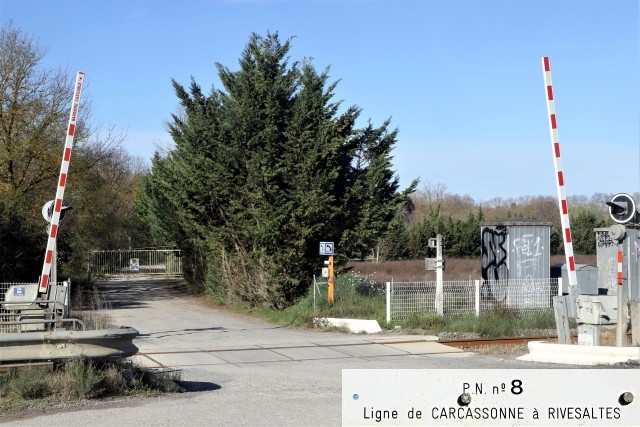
[
  {"x": 562, "y": 196},
  {"x": 62, "y": 181}
]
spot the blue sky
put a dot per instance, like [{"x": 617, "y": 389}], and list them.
[{"x": 461, "y": 80}]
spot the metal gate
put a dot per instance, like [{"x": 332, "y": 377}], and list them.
[{"x": 167, "y": 262}]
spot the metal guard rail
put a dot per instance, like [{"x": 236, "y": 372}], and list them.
[
  {"x": 103, "y": 344},
  {"x": 43, "y": 321}
]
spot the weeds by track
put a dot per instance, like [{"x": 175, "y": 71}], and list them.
[{"x": 505, "y": 341}]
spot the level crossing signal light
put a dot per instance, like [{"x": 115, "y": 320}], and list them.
[
  {"x": 622, "y": 209},
  {"x": 47, "y": 211}
]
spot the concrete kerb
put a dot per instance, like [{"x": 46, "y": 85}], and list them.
[
  {"x": 541, "y": 351},
  {"x": 356, "y": 326}
]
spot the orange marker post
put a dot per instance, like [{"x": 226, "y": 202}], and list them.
[{"x": 330, "y": 297}]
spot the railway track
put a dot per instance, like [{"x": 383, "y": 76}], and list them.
[
  {"x": 466, "y": 343},
  {"x": 482, "y": 342},
  {"x": 9, "y": 366},
  {"x": 505, "y": 341},
  {"x": 457, "y": 343}
]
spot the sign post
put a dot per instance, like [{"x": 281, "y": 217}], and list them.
[
  {"x": 327, "y": 248},
  {"x": 439, "y": 276}
]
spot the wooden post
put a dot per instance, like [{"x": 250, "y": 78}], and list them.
[
  {"x": 562, "y": 319},
  {"x": 330, "y": 296}
]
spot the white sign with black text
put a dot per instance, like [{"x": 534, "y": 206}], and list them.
[{"x": 497, "y": 397}]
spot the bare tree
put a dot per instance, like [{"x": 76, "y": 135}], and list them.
[
  {"x": 33, "y": 103},
  {"x": 34, "y": 111}
]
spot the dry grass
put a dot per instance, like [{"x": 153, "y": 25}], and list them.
[
  {"x": 414, "y": 270},
  {"x": 90, "y": 306},
  {"x": 78, "y": 380},
  {"x": 507, "y": 351}
]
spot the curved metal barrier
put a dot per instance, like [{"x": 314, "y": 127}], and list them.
[{"x": 104, "y": 344}]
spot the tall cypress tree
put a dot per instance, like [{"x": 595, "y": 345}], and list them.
[
  {"x": 265, "y": 169},
  {"x": 373, "y": 191}
]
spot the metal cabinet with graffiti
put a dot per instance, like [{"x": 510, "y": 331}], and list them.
[{"x": 513, "y": 250}]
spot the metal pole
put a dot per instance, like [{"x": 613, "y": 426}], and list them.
[
  {"x": 621, "y": 329},
  {"x": 559, "y": 286},
  {"x": 54, "y": 264},
  {"x": 477, "y": 295},
  {"x": 439, "y": 276},
  {"x": 388, "y": 302}
]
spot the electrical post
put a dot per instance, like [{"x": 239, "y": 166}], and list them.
[
  {"x": 622, "y": 209},
  {"x": 439, "y": 276},
  {"x": 621, "y": 324},
  {"x": 618, "y": 232},
  {"x": 437, "y": 264}
]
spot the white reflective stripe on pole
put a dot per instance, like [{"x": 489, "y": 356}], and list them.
[
  {"x": 562, "y": 196},
  {"x": 62, "y": 181}
]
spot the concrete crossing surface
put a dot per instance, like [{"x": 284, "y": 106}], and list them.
[
  {"x": 180, "y": 331},
  {"x": 239, "y": 370},
  {"x": 369, "y": 348}
]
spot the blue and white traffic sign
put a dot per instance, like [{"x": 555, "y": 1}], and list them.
[{"x": 326, "y": 248}]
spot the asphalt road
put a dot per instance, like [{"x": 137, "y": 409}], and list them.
[{"x": 243, "y": 371}]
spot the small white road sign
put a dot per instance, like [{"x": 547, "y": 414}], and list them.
[{"x": 326, "y": 248}]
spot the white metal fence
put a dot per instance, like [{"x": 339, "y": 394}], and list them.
[
  {"x": 137, "y": 261},
  {"x": 471, "y": 296}
]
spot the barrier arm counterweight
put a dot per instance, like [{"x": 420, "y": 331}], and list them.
[{"x": 62, "y": 181}]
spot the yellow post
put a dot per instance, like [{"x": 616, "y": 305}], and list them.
[{"x": 330, "y": 291}]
